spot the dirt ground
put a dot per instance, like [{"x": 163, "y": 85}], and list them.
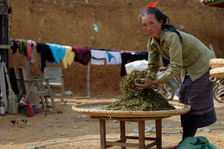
[
  {"x": 56, "y": 129},
  {"x": 70, "y": 22}
]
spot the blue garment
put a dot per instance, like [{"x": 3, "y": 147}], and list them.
[{"x": 58, "y": 51}]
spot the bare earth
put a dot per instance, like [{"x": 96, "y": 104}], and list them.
[
  {"x": 54, "y": 130},
  {"x": 70, "y": 22}
]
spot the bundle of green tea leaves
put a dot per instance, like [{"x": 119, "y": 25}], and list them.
[{"x": 134, "y": 99}]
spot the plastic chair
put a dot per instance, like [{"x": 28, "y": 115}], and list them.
[{"x": 54, "y": 74}]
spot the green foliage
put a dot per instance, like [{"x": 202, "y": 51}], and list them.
[{"x": 134, "y": 99}]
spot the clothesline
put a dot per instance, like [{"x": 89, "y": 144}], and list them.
[{"x": 67, "y": 54}]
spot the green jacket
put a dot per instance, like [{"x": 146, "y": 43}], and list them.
[{"x": 188, "y": 55}]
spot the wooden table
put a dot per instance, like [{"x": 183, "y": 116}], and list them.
[
  {"x": 123, "y": 138},
  {"x": 94, "y": 110}
]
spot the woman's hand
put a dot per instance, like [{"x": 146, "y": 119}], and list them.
[
  {"x": 162, "y": 68},
  {"x": 147, "y": 83}
]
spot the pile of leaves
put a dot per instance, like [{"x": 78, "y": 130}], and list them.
[{"x": 135, "y": 99}]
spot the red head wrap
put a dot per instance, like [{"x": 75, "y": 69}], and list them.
[{"x": 151, "y": 5}]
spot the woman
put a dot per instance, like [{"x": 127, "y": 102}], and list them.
[{"x": 187, "y": 55}]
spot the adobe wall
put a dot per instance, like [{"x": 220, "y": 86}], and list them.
[{"x": 70, "y": 22}]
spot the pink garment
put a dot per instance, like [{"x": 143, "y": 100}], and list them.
[
  {"x": 126, "y": 51},
  {"x": 204, "y": 1},
  {"x": 29, "y": 54}
]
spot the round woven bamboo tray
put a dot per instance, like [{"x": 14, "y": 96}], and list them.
[
  {"x": 216, "y": 73},
  {"x": 94, "y": 109},
  {"x": 216, "y": 62}
]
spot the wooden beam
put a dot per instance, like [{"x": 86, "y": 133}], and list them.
[{"x": 4, "y": 46}]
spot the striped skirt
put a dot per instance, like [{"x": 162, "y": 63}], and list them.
[{"x": 199, "y": 95}]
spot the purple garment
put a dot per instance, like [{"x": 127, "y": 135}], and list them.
[
  {"x": 198, "y": 94},
  {"x": 82, "y": 54}
]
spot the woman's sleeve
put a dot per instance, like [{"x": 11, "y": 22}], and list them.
[
  {"x": 176, "y": 59},
  {"x": 153, "y": 62}
]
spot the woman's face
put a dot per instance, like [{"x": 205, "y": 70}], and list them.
[{"x": 151, "y": 26}]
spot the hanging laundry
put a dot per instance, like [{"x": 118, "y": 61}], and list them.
[
  {"x": 19, "y": 44},
  {"x": 23, "y": 47},
  {"x": 130, "y": 57},
  {"x": 32, "y": 43},
  {"x": 45, "y": 54},
  {"x": 144, "y": 52},
  {"x": 126, "y": 51},
  {"x": 58, "y": 51},
  {"x": 82, "y": 54},
  {"x": 14, "y": 45},
  {"x": 113, "y": 57},
  {"x": 29, "y": 54},
  {"x": 33, "y": 57},
  {"x": 97, "y": 57},
  {"x": 69, "y": 57}
]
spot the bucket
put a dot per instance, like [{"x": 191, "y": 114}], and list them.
[{"x": 29, "y": 110}]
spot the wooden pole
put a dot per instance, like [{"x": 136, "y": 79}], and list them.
[
  {"x": 141, "y": 134},
  {"x": 102, "y": 133},
  {"x": 159, "y": 133},
  {"x": 4, "y": 33},
  {"x": 88, "y": 81},
  {"x": 4, "y": 48},
  {"x": 122, "y": 132}
]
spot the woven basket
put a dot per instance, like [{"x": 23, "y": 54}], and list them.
[
  {"x": 216, "y": 62},
  {"x": 217, "y": 72},
  {"x": 94, "y": 109}
]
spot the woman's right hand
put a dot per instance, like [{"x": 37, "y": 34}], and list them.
[{"x": 147, "y": 83}]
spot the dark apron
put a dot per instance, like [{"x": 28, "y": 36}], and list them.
[{"x": 199, "y": 95}]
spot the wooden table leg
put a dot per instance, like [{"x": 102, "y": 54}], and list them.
[
  {"x": 141, "y": 134},
  {"x": 159, "y": 134},
  {"x": 102, "y": 133},
  {"x": 122, "y": 132}
]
